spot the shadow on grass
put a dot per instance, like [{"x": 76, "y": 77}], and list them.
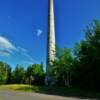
[{"x": 62, "y": 91}]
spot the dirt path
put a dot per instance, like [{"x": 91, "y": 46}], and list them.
[{"x": 13, "y": 95}]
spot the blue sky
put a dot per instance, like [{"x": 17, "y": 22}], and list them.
[{"x": 23, "y": 27}]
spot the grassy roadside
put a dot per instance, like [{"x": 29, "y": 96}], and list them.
[
  {"x": 62, "y": 91},
  {"x": 21, "y": 87}
]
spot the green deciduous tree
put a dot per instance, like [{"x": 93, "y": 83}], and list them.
[
  {"x": 61, "y": 68},
  {"x": 18, "y": 74},
  {"x": 87, "y": 60},
  {"x": 35, "y": 74},
  {"x": 4, "y": 70},
  {"x": 9, "y": 75}
]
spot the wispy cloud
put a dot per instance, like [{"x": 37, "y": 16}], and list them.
[
  {"x": 22, "y": 49},
  {"x": 6, "y": 47},
  {"x": 16, "y": 53},
  {"x": 4, "y": 53},
  {"x": 39, "y": 32},
  {"x": 25, "y": 54},
  {"x": 5, "y": 43}
]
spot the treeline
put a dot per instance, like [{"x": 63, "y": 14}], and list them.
[
  {"x": 34, "y": 74},
  {"x": 80, "y": 68}
]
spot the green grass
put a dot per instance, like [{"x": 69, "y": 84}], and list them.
[
  {"x": 21, "y": 87},
  {"x": 63, "y": 91}
]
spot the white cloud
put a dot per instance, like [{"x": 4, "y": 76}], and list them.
[
  {"x": 14, "y": 54},
  {"x": 4, "y": 53},
  {"x": 5, "y": 43},
  {"x": 6, "y": 47},
  {"x": 39, "y": 32},
  {"x": 28, "y": 56},
  {"x": 22, "y": 49},
  {"x": 9, "y": 49},
  {"x": 25, "y": 54},
  {"x": 28, "y": 62}
]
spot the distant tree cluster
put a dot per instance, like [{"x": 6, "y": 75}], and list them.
[
  {"x": 34, "y": 74},
  {"x": 80, "y": 68}
]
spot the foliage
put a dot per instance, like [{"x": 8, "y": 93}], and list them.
[
  {"x": 35, "y": 74},
  {"x": 18, "y": 74},
  {"x": 87, "y": 60},
  {"x": 61, "y": 69},
  {"x": 4, "y": 70},
  {"x": 9, "y": 75}
]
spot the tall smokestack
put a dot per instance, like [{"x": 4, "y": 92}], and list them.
[{"x": 51, "y": 49}]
